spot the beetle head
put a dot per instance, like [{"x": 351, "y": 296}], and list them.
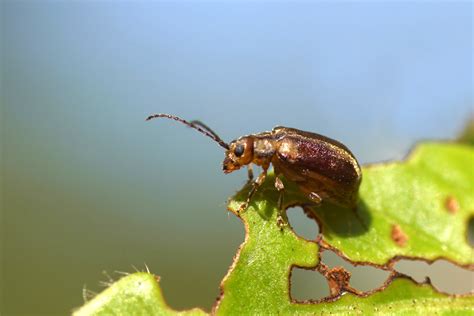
[{"x": 240, "y": 153}]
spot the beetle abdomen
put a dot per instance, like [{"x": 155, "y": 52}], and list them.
[
  {"x": 318, "y": 164},
  {"x": 326, "y": 160}
]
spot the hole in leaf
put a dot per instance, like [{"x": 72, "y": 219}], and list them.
[
  {"x": 312, "y": 285},
  {"x": 302, "y": 225},
  {"x": 470, "y": 231},
  {"x": 444, "y": 275},
  {"x": 364, "y": 278},
  {"x": 308, "y": 285}
]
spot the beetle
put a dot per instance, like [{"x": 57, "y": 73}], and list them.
[{"x": 322, "y": 168}]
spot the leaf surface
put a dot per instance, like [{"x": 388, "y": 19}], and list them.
[
  {"x": 135, "y": 294},
  {"x": 428, "y": 198}
]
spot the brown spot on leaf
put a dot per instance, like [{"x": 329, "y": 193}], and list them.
[
  {"x": 399, "y": 236},
  {"x": 451, "y": 204}
]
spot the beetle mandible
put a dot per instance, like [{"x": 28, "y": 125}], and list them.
[{"x": 323, "y": 168}]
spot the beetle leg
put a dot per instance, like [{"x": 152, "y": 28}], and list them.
[
  {"x": 250, "y": 172},
  {"x": 255, "y": 185},
  {"x": 315, "y": 197},
  {"x": 281, "y": 219}
]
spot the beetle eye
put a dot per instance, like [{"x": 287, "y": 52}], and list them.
[{"x": 239, "y": 150}]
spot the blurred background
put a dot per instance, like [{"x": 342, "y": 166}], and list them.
[{"x": 88, "y": 186}]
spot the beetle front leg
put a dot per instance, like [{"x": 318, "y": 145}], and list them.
[
  {"x": 281, "y": 219},
  {"x": 250, "y": 172},
  {"x": 255, "y": 185}
]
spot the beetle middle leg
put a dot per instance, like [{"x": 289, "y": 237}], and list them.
[
  {"x": 255, "y": 185},
  {"x": 281, "y": 219},
  {"x": 315, "y": 197}
]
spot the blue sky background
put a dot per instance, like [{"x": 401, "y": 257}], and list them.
[{"x": 89, "y": 186}]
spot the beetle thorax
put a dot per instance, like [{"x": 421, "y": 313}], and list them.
[{"x": 264, "y": 148}]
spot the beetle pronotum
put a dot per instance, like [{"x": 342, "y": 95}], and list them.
[{"x": 323, "y": 168}]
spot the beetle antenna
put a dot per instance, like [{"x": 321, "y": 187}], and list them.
[
  {"x": 204, "y": 126},
  {"x": 197, "y": 125}
]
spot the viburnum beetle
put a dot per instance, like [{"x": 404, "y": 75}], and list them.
[{"x": 323, "y": 168}]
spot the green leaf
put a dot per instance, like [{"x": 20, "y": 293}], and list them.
[
  {"x": 401, "y": 297},
  {"x": 430, "y": 197},
  {"x": 260, "y": 275},
  {"x": 135, "y": 294}
]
